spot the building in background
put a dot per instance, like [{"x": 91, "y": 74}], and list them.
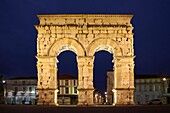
[
  {"x": 149, "y": 87},
  {"x": 67, "y": 86},
  {"x": 109, "y": 87},
  {"x": 22, "y": 90}
]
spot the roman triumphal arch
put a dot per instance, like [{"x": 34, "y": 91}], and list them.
[{"x": 85, "y": 34}]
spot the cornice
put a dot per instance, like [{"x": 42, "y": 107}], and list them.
[{"x": 85, "y": 15}]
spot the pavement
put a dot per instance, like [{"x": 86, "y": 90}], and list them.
[{"x": 84, "y": 109}]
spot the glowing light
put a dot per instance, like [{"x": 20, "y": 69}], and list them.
[
  {"x": 55, "y": 96},
  {"x": 113, "y": 90},
  {"x": 3, "y": 81},
  {"x": 32, "y": 91},
  {"x": 164, "y": 79}
]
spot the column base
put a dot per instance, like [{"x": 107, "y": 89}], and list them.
[
  {"x": 85, "y": 97},
  {"x": 85, "y": 104},
  {"x": 51, "y": 104},
  {"x": 40, "y": 104},
  {"x": 119, "y": 104},
  {"x": 123, "y": 97}
]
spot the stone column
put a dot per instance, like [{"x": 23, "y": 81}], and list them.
[
  {"x": 47, "y": 80},
  {"x": 85, "y": 80},
  {"x": 123, "y": 81}
]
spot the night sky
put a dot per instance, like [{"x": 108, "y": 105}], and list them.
[{"x": 18, "y": 35}]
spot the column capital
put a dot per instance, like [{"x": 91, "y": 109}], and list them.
[
  {"x": 85, "y": 57},
  {"x": 47, "y": 59},
  {"x": 124, "y": 59},
  {"x": 85, "y": 60}
]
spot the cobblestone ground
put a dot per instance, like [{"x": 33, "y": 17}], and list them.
[{"x": 73, "y": 109}]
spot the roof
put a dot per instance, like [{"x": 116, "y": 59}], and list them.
[
  {"x": 60, "y": 76},
  {"x": 151, "y": 76},
  {"x": 26, "y": 77},
  {"x": 66, "y": 76}
]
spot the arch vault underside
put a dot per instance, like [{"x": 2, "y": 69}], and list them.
[{"x": 85, "y": 34}]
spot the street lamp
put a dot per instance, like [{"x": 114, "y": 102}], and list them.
[
  {"x": 164, "y": 79},
  {"x": 164, "y": 89},
  {"x": 106, "y": 97},
  {"x": 5, "y": 90},
  {"x": 3, "y": 81},
  {"x": 164, "y": 85}
]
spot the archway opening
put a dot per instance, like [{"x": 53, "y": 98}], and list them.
[
  {"x": 67, "y": 63},
  {"x": 102, "y": 64},
  {"x": 67, "y": 78}
]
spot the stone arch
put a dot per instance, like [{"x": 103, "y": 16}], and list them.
[
  {"x": 104, "y": 44},
  {"x": 85, "y": 34},
  {"x": 63, "y": 44}
]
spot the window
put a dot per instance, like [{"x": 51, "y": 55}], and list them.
[
  {"x": 66, "y": 82},
  {"x": 147, "y": 81},
  {"x": 16, "y": 89},
  {"x": 61, "y": 82},
  {"x": 137, "y": 81},
  {"x": 67, "y": 90},
  {"x": 140, "y": 88},
  {"x": 24, "y": 88},
  {"x": 150, "y": 88},
  {"x": 142, "y": 80},
  {"x": 156, "y": 87},
  {"x": 23, "y": 82},
  {"x": 75, "y": 89},
  {"x": 153, "y": 80},
  {"x": 75, "y": 82},
  {"x": 168, "y": 90},
  {"x": 138, "y": 98},
  {"x": 158, "y": 80},
  {"x": 159, "y": 88},
  {"x": 30, "y": 89},
  {"x": 15, "y": 82},
  {"x": 58, "y": 83},
  {"x": 145, "y": 88},
  {"x": 61, "y": 90}
]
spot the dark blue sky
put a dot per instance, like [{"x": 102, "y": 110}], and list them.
[{"x": 18, "y": 35}]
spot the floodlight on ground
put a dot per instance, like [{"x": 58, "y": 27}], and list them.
[{"x": 113, "y": 90}]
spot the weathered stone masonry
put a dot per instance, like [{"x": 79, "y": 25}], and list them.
[{"x": 85, "y": 34}]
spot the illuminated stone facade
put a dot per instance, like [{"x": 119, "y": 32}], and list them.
[{"x": 85, "y": 34}]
